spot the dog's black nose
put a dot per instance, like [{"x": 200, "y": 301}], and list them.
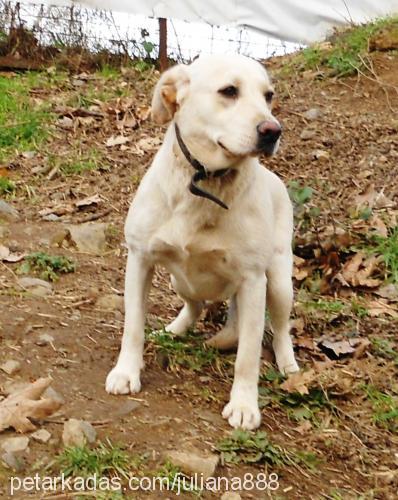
[
  {"x": 269, "y": 132},
  {"x": 268, "y": 135}
]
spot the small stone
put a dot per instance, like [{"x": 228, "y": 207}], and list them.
[
  {"x": 15, "y": 444},
  {"x": 36, "y": 286},
  {"x": 28, "y": 282},
  {"x": 231, "y": 495},
  {"x": 8, "y": 211},
  {"x": 42, "y": 436},
  {"x": 12, "y": 462},
  {"x": 89, "y": 237},
  {"x": 29, "y": 155},
  {"x": 110, "y": 302},
  {"x": 320, "y": 154},
  {"x": 44, "y": 339},
  {"x": 192, "y": 462},
  {"x": 51, "y": 217},
  {"x": 11, "y": 367},
  {"x": 307, "y": 134},
  {"x": 78, "y": 433},
  {"x": 313, "y": 114}
]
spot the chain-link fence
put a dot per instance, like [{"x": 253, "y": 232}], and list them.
[{"x": 125, "y": 35}]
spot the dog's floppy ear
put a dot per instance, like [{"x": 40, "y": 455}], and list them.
[{"x": 165, "y": 101}]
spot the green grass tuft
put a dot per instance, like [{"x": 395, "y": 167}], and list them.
[
  {"x": 348, "y": 49},
  {"x": 47, "y": 266},
  {"x": 22, "y": 123},
  {"x": 6, "y": 186},
  {"x": 106, "y": 459},
  {"x": 255, "y": 447},
  {"x": 385, "y": 407},
  {"x": 187, "y": 351}
]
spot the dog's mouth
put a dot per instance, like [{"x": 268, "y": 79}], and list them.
[{"x": 229, "y": 153}]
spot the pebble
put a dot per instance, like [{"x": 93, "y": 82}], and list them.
[
  {"x": 11, "y": 367},
  {"x": 42, "y": 436},
  {"x": 110, "y": 302},
  {"x": 44, "y": 339},
  {"x": 231, "y": 495},
  {"x": 89, "y": 237},
  {"x": 15, "y": 445},
  {"x": 36, "y": 286},
  {"x": 8, "y": 211},
  {"x": 313, "y": 114},
  {"x": 192, "y": 462},
  {"x": 307, "y": 134},
  {"x": 78, "y": 433},
  {"x": 12, "y": 462}
]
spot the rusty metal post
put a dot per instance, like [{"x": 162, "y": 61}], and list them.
[{"x": 163, "y": 44}]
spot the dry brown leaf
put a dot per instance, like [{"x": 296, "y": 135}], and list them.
[
  {"x": 381, "y": 307},
  {"x": 358, "y": 270},
  {"x": 338, "y": 347},
  {"x": 297, "y": 382},
  {"x": 373, "y": 199},
  {"x": 90, "y": 200},
  {"x": 7, "y": 256},
  {"x": 116, "y": 141},
  {"x": 306, "y": 343},
  {"x": 25, "y": 403}
]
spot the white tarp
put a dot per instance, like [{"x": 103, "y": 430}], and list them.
[{"x": 300, "y": 21}]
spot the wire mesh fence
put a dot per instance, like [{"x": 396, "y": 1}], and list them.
[{"x": 128, "y": 35}]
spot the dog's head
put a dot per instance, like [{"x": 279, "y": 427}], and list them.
[{"x": 222, "y": 105}]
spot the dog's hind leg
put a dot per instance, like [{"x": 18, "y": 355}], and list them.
[
  {"x": 279, "y": 303},
  {"x": 227, "y": 337},
  {"x": 186, "y": 317}
]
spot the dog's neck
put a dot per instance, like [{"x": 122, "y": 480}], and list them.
[{"x": 201, "y": 173}]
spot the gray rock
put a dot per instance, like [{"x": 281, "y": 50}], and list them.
[
  {"x": 12, "y": 462},
  {"x": 231, "y": 495},
  {"x": 36, "y": 286},
  {"x": 307, "y": 134},
  {"x": 110, "y": 302},
  {"x": 89, "y": 237},
  {"x": 15, "y": 445},
  {"x": 42, "y": 436},
  {"x": 78, "y": 433},
  {"x": 51, "y": 217},
  {"x": 28, "y": 282},
  {"x": 44, "y": 339},
  {"x": 192, "y": 462},
  {"x": 11, "y": 367},
  {"x": 8, "y": 211},
  {"x": 313, "y": 114}
]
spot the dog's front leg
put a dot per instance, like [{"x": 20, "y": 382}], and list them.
[
  {"x": 242, "y": 409},
  {"x": 125, "y": 376}
]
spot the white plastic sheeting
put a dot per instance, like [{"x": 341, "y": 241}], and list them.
[{"x": 300, "y": 21}]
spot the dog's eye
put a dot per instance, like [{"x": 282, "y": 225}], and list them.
[
  {"x": 230, "y": 91},
  {"x": 268, "y": 96}
]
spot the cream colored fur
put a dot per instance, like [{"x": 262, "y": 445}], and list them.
[{"x": 241, "y": 254}]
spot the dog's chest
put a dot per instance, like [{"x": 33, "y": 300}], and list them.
[{"x": 202, "y": 258}]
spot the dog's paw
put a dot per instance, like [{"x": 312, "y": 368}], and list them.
[
  {"x": 287, "y": 364},
  {"x": 242, "y": 414},
  {"x": 121, "y": 381}
]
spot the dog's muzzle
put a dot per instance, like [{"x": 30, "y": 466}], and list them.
[{"x": 268, "y": 133}]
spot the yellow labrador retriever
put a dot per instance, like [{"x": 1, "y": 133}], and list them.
[{"x": 216, "y": 219}]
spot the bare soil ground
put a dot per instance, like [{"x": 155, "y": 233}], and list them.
[{"x": 346, "y": 310}]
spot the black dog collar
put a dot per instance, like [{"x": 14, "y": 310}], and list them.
[{"x": 200, "y": 173}]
